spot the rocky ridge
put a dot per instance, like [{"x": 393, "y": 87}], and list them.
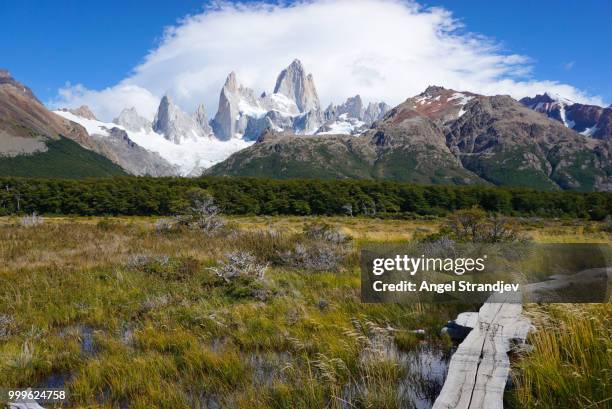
[
  {"x": 589, "y": 120},
  {"x": 441, "y": 136}
]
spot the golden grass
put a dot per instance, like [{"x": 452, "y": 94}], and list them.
[
  {"x": 173, "y": 337},
  {"x": 572, "y": 359}
]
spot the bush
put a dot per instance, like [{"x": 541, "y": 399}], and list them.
[
  {"x": 202, "y": 214},
  {"x": 314, "y": 256},
  {"x": 326, "y": 232},
  {"x": 475, "y": 226},
  {"x": 321, "y": 247},
  {"x": 106, "y": 224},
  {"x": 173, "y": 269},
  {"x": 6, "y": 325},
  {"x": 240, "y": 264},
  {"x": 32, "y": 220},
  {"x": 165, "y": 225},
  {"x": 265, "y": 245}
]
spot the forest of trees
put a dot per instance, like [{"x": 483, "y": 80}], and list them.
[{"x": 166, "y": 196}]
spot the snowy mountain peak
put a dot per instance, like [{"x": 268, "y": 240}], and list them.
[
  {"x": 375, "y": 111},
  {"x": 236, "y": 104},
  {"x": 589, "y": 120},
  {"x": 174, "y": 124},
  {"x": 231, "y": 83},
  {"x": 296, "y": 85},
  {"x": 557, "y": 98},
  {"x": 130, "y": 120},
  {"x": 434, "y": 90},
  {"x": 83, "y": 111},
  {"x": 352, "y": 117},
  {"x": 201, "y": 118},
  {"x": 438, "y": 103}
]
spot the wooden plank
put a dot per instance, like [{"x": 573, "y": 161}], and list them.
[{"x": 479, "y": 368}]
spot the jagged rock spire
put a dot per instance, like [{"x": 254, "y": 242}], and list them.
[
  {"x": 296, "y": 85},
  {"x": 130, "y": 120},
  {"x": 175, "y": 124},
  {"x": 201, "y": 118},
  {"x": 224, "y": 122},
  {"x": 235, "y": 105}
]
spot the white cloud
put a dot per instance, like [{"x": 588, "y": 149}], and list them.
[
  {"x": 107, "y": 103},
  {"x": 384, "y": 50}
]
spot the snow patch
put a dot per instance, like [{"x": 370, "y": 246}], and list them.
[
  {"x": 558, "y": 98},
  {"x": 191, "y": 156},
  {"x": 251, "y": 110},
  {"x": 281, "y": 103},
  {"x": 461, "y": 97},
  {"x": 589, "y": 131},
  {"x": 563, "y": 116},
  {"x": 92, "y": 126},
  {"x": 343, "y": 125}
]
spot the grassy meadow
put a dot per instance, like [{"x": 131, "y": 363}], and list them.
[{"x": 128, "y": 312}]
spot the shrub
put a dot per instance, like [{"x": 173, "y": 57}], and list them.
[
  {"x": 106, "y": 224},
  {"x": 326, "y": 232},
  {"x": 265, "y": 245},
  {"x": 6, "y": 325},
  {"x": 314, "y": 256},
  {"x": 240, "y": 264},
  {"x": 174, "y": 269},
  {"x": 31, "y": 220},
  {"x": 476, "y": 226},
  {"x": 202, "y": 214},
  {"x": 164, "y": 225},
  {"x": 321, "y": 247}
]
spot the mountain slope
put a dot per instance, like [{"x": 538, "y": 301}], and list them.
[
  {"x": 589, "y": 120},
  {"x": 36, "y": 142},
  {"x": 25, "y": 121},
  {"x": 63, "y": 158},
  {"x": 508, "y": 144},
  {"x": 383, "y": 153},
  {"x": 441, "y": 136},
  {"x": 131, "y": 142}
]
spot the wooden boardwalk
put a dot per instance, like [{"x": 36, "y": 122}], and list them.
[{"x": 479, "y": 368}]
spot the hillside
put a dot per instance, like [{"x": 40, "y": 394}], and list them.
[
  {"x": 34, "y": 142},
  {"x": 441, "y": 136},
  {"x": 63, "y": 158}
]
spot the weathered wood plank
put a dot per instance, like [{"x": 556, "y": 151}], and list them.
[{"x": 479, "y": 368}]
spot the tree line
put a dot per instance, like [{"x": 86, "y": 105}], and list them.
[{"x": 256, "y": 196}]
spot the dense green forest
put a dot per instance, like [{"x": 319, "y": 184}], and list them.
[
  {"x": 242, "y": 195},
  {"x": 63, "y": 158}
]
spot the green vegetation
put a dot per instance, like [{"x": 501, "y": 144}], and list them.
[
  {"x": 258, "y": 312},
  {"x": 123, "y": 313},
  {"x": 244, "y": 196},
  {"x": 507, "y": 168},
  {"x": 409, "y": 165},
  {"x": 571, "y": 360},
  {"x": 64, "y": 158}
]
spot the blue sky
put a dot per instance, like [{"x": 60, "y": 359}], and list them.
[
  {"x": 99, "y": 44},
  {"x": 569, "y": 41}
]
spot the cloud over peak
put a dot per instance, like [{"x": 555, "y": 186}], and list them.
[{"x": 381, "y": 49}]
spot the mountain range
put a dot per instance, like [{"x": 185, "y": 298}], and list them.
[
  {"x": 186, "y": 145},
  {"x": 589, "y": 120},
  {"x": 37, "y": 142},
  {"x": 438, "y": 136}
]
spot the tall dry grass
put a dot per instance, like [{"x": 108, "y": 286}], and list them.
[{"x": 571, "y": 363}]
